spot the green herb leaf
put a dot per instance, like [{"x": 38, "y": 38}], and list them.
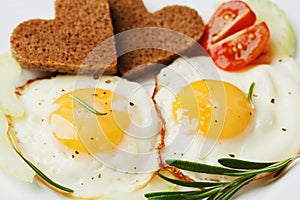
[
  {"x": 196, "y": 194},
  {"x": 243, "y": 164},
  {"x": 214, "y": 195},
  {"x": 43, "y": 176},
  {"x": 87, "y": 106},
  {"x": 229, "y": 192},
  {"x": 250, "y": 93},
  {"x": 201, "y": 168},
  {"x": 170, "y": 195},
  {"x": 191, "y": 184},
  {"x": 203, "y": 194},
  {"x": 271, "y": 168},
  {"x": 279, "y": 172}
]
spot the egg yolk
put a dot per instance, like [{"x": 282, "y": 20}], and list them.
[
  {"x": 76, "y": 127},
  {"x": 220, "y": 110}
]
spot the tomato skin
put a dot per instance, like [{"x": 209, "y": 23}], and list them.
[
  {"x": 229, "y": 18},
  {"x": 238, "y": 50}
]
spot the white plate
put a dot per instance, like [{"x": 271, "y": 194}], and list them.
[{"x": 13, "y": 12}]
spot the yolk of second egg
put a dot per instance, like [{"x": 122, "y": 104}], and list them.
[
  {"x": 81, "y": 130},
  {"x": 221, "y": 110}
]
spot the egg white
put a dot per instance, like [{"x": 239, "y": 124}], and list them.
[{"x": 273, "y": 134}]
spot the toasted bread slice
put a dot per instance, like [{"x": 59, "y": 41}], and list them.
[
  {"x": 67, "y": 43},
  {"x": 162, "y": 45}
]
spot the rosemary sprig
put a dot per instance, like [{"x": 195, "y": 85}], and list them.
[
  {"x": 88, "y": 107},
  {"x": 250, "y": 93},
  {"x": 43, "y": 176},
  {"x": 242, "y": 171}
]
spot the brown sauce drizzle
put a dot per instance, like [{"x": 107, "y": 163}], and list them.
[
  {"x": 178, "y": 173},
  {"x": 162, "y": 133},
  {"x": 163, "y": 165},
  {"x": 19, "y": 89}
]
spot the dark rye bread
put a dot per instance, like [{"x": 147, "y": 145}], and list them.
[
  {"x": 63, "y": 44},
  {"x": 132, "y": 14}
]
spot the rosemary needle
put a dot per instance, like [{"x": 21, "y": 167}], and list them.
[
  {"x": 43, "y": 176},
  {"x": 250, "y": 93},
  {"x": 87, "y": 106}
]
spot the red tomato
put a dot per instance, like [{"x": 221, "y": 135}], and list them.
[
  {"x": 229, "y": 18},
  {"x": 239, "y": 49}
]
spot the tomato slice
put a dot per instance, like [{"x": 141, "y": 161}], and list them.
[
  {"x": 229, "y": 18},
  {"x": 239, "y": 49}
]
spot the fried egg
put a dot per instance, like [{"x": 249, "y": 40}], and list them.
[
  {"x": 209, "y": 115},
  {"x": 95, "y": 155}
]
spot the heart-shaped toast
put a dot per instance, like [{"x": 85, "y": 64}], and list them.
[
  {"x": 133, "y": 15},
  {"x": 64, "y": 43}
]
